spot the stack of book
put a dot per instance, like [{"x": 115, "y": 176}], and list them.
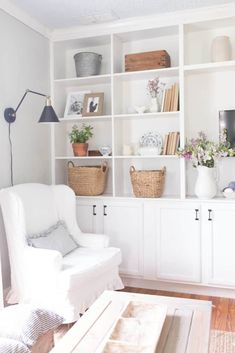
[
  {"x": 170, "y": 99},
  {"x": 171, "y": 143}
]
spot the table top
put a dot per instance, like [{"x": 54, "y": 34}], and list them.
[{"x": 186, "y": 328}]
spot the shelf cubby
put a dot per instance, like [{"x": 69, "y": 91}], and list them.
[
  {"x": 61, "y": 167},
  {"x": 64, "y": 51},
  {"x": 123, "y": 187},
  {"x": 145, "y": 40},
  {"x": 61, "y": 92},
  {"x": 63, "y": 148},
  {"x": 131, "y": 93},
  {"x": 198, "y": 39},
  {"x": 129, "y": 131}
]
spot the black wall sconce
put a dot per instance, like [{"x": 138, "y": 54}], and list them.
[{"x": 48, "y": 116}]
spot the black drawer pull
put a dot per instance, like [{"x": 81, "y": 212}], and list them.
[
  {"x": 209, "y": 215},
  {"x": 105, "y": 214},
  {"x": 94, "y": 212},
  {"x": 196, "y": 214}
]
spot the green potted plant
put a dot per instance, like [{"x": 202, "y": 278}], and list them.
[{"x": 79, "y": 138}]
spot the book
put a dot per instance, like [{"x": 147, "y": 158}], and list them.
[
  {"x": 163, "y": 100},
  {"x": 176, "y": 97},
  {"x": 172, "y": 98},
  {"x": 169, "y": 145},
  {"x": 165, "y": 144}
]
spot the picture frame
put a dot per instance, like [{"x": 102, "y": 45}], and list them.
[
  {"x": 93, "y": 104},
  {"x": 74, "y": 103}
]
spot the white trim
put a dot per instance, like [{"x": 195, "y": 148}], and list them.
[
  {"x": 146, "y": 22},
  {"x": 23, "y": 17},
  {"x": 199, "y": 289}
]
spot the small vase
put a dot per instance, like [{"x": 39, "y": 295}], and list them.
[
  {"x": 154, "y": 105},
  {"x": 205, "y": 187},
  {"x": 221, "y": 49}
]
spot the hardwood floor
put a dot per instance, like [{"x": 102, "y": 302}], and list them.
[{"x": 223, "y": 314}]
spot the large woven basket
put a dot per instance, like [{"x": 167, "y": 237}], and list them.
[
  {"x": 87, "y": 181},
  {"x": 147, "y": 183}
]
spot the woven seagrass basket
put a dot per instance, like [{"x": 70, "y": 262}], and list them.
[
  {"x": 147, "y": 183},
  {"x": 89, "y": 180}
]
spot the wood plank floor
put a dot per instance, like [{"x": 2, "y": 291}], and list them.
[{"x": 223, "y": 314}]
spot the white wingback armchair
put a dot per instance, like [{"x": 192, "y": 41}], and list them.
[{"x": 68, "y": 285}]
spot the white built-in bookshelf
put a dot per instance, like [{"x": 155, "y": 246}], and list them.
[{"x": 205, "y": 88}]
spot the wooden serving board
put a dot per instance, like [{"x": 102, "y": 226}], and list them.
[{"x": 147, "y": 61}]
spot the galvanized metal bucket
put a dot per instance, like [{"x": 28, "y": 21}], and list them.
[{"x": 87, "y": 63}]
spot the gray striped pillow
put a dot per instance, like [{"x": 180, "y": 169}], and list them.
[
  {"x": 7, "y": 345},
  {"x": 25, "y": 323}
]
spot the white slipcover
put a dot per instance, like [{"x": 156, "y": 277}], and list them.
[{"x": 68, "y": 285}]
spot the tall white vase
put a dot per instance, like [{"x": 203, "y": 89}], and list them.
[
  {"x": 205, "y": 187},
  {"x": 154, "y": 105},
  {"x": 221, "y": 49}
]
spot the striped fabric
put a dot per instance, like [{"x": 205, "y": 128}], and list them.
[
  {"x": 7, "y": 345},
  {"x": 24, "y": 323}
]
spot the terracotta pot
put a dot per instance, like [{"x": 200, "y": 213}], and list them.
[{"x": 80, "y": 149}]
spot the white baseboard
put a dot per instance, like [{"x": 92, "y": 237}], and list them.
[{"x": 199, "y": 289}]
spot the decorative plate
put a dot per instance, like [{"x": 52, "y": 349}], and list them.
[{"x": 151, "y": 139}]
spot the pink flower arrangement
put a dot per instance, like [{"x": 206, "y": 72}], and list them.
[
  {"x": 155, "y": 87},
  {"x": 201, "y": 151}
]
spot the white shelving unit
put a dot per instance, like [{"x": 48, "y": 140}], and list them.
[{"x": 205, "y": 88}]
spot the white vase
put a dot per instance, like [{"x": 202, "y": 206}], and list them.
[
  {"x": 221, "y": 49},
  {"x": 205, "y": 187},
  {"x": 154, "y": 105}
]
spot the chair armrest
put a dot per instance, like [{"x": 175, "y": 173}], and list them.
[
  {"x": 43, "y": 259},
  {"x": 92, "y": 241}
]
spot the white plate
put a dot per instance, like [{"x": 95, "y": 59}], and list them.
[{"x": 151, "y": 139}]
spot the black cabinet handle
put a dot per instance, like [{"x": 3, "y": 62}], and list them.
[
  {"x": 105, "y": 214},
  {"x": 196, "y": 214},
  {"x": 94, "y": 207},
  {"x": 209, "y": 215}
]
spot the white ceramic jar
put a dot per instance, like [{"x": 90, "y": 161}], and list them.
[{"x": 221, "y": 49}]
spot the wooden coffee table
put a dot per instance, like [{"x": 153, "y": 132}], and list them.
[{"x": 186, "y": 328}]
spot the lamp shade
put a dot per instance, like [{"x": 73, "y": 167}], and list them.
[{"x": 48, "y": 114}]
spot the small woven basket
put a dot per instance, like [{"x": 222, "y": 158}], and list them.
[
  {"x": 147, "y": 183},
  {"x": 89, "y": 180}
]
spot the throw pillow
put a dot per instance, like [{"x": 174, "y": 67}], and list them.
[
  {"x": 7, "y": 345},
  {"x": 24, "y": 323},
  {"x": 56, "y": 237}
]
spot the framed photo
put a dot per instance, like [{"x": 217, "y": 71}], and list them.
[
  {"x": 74, "y": 103},
  {"x": 93, "y": 104}
]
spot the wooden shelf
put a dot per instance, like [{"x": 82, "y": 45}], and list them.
[
  {"x": 147, "y": 157},
  {"x": 74, "y": 118},
  {"x": 82, "y": 158},
  {"x": 147, "y": 74},
  {"x": 91, "y": 80},
  {"x": 148, "y": 115},
  {"x": 209, "y": 67}
]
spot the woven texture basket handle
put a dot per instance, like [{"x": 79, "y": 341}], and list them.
[
  {"x": 70, "y": 164},
  {"x": 104, "y": 167},
  {"x": 132, "y": 169}
]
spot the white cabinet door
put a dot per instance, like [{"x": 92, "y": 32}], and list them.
[
  {"x": 218, "y": 244},
  {"x": 89, "y": 216},
  {"x": 123, "y": 223},
  {"x": 178, "y": 241}
]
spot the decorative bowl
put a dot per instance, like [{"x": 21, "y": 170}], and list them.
[{"x": 105, "y": 150}]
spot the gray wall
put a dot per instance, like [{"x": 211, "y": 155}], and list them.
[{"x": 24, "y": 63}]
